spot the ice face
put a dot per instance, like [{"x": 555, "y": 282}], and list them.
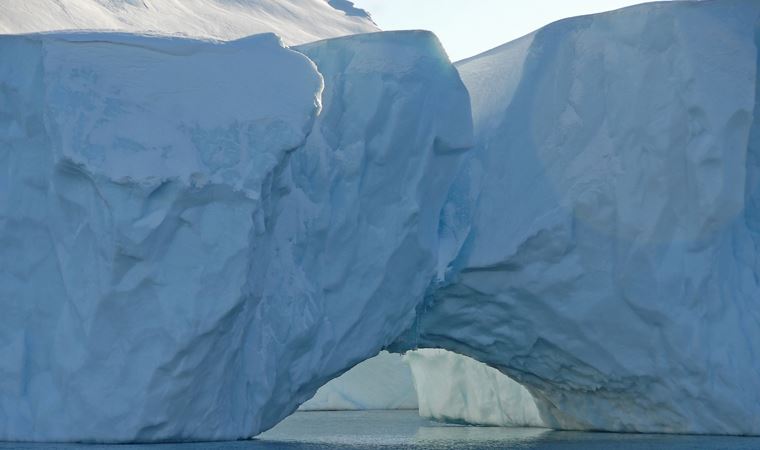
[
  {"x": 132, "y": 188},
  {"x": 604, "y": 229},
  {"x": 381, "y": 382},
  {"x": 196, "y": 236},
  {"x": 456, "y": 388},
  {"x": 352, "y": 218}
]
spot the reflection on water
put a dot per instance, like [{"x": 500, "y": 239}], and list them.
[
  {"x": 325, "y": 430},
  {"x": 439, "y": 435},
  {"x": 406, "y": 430},
  {"x": 392, "y": 429}
]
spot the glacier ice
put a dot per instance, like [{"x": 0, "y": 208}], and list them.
[
  {"x": 188, "y": 254},
  {"x": 295, "y": 21},
  {"x": 352, "y": 217},
  {"x": 198, "y": 235},
  {"x": 133, "y": 171},
  {"x": 456, "y": 388},
  {"x": 604, "y": 231},
  {"x": 381, "y": 382}
]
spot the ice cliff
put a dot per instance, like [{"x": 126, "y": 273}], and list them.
[
  {"x": 604, "y": 231},
  {"x": 198, "y": 235},
  {"x": 133, "y": 171}
]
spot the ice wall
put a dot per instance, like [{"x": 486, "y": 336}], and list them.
[
  {"x": 456, "y": 388},
  {"x": 133, "y": 172},
  {"x": 603, "y": 234},
  {"x": 350, "y": 239},
  {"x": 196, "y": 236},
  {"x": 381, "y": 382}
]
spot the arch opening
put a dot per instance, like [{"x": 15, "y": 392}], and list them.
[{"x": 439, "y": 384}]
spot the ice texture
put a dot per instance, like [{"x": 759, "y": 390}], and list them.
[
  {"x": 381, "y": 382},
  {"x": 295, "y": 21},
  {"x": 456, "y": 388},
  {"x": 198, "y": 235},
  {"x": 604, "y": 232},
  {"x": 350, "y": 241},
  {"x": 134, "y": 174}
]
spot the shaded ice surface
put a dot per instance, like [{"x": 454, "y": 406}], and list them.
[
  {"x": 381, "y": 382},
  {"x": 440, "y": 384},
  {"x": 198, "y": 235},
  {"x": 456, "y": 388},
  {"x": 351, "y": 218},
  {"x": 604, "y": 231},
  {"x": 134, "y": 170},
  {"x": 190, "y": 255},
  {"x": 295, "y": 21}
]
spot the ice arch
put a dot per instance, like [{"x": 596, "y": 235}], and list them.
[
  {"x": 197, "y": 235},
  {"x": 603, "y": 230},
  {"x": 188, "y": 254},
  {"x": 440, "y": 384}
]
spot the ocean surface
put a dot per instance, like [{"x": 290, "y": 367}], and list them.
[{"x": 323, "y": 430}]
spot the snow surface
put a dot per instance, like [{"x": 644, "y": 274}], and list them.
[
  {"x": 456, "y": 388},
  {"x": 198, "y": 235},
  {"x": 381, "y": 382},
  {"x": 296, "y": 21},
  {"x": 606, "y": 224}
]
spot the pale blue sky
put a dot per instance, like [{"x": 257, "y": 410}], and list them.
[{"x": 469, "y": 27}]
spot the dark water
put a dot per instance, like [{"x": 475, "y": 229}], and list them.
[{"x": 406, "y": 430}]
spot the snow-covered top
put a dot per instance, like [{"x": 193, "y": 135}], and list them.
[
  {"x": 109, "y": 110},
  {"x": 296, "y": 21}
]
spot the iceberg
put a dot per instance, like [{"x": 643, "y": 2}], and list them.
[
  {"x": 603, "y": 232},
  {"x": 352, "y": 218},
  {"x": 456, "y": 388},
  {"x": 133, "y": 175},
  {"x": 188, "y": 254},
  {"x": 197, "y": 235}
]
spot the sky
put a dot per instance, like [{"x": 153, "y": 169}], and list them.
[{"x": 469, "y": 27}]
